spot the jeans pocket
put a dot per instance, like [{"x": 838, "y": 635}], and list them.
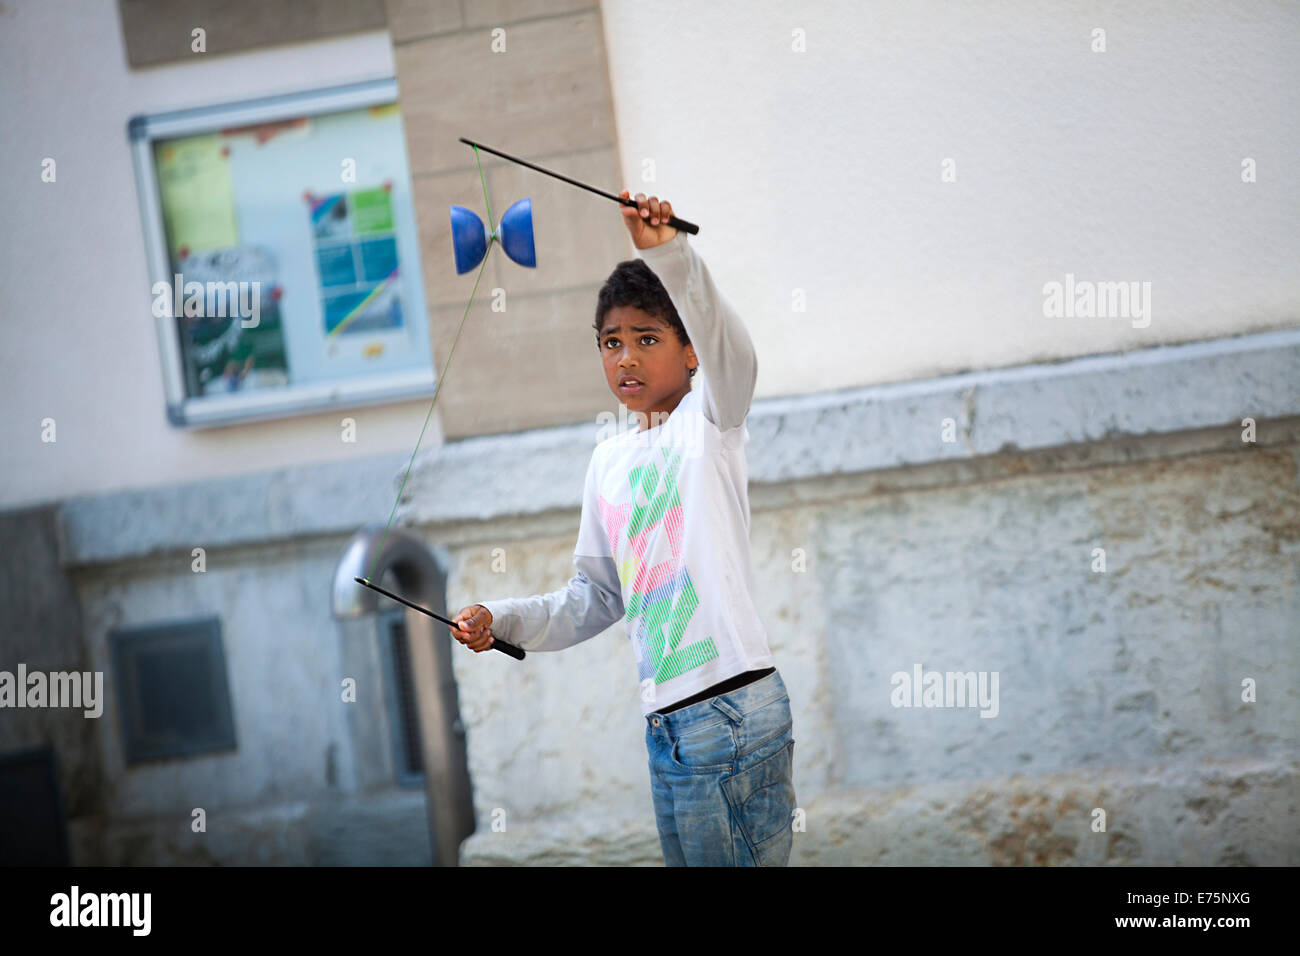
[
  {"x": 710, "y": 749},
  {"x": 765, "y": 731},
  {"x": 762, "y": 800}
]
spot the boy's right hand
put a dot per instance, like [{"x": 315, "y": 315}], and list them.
[{"x": 473, "y": 627}]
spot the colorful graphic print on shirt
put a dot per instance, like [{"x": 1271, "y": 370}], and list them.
[{"x": 663, "y": 597}]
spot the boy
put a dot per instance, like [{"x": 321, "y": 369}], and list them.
[{"x": 664, "y": 545}]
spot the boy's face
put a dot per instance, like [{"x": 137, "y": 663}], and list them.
[{"x": 637, "y": 345}]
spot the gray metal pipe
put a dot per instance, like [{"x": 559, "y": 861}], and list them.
[{"x": 418, "y": 578}]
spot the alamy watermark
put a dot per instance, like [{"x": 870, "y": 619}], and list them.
[
  {"x": 208, "y": 300},
  {"x": 56, "y": 689},
  {"x": 922, "y": 688},
  {"x": 648, "y": 429},
  {"x": 1098, "y": 300},
  {"x": 76, "y": 908}
]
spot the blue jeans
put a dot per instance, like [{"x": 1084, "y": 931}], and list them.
[{"x": 721, "y": 773}]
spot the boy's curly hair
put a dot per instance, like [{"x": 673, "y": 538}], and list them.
[{"x": 635, "y": 284}]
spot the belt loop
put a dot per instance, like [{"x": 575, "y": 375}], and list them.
[{"x": 732, "y": 713}]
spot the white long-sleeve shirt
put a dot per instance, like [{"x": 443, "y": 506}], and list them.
[{"x": 663, "y": 543}]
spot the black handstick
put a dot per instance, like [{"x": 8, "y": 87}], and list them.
[
  {"x": 517, "y": 653},
  {"x": 673, "y": 221}
]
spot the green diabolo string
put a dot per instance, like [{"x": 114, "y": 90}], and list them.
[{"x": 443, "y": 377}]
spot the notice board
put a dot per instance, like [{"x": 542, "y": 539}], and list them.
[{"x": 283, "y": 255}]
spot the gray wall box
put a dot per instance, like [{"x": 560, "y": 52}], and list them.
[{"x": 172, "y": 693}]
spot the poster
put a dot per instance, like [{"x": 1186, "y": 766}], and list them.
[
  {"x": 224, "y": 295},
  {"x": 356, "y": 260},
  {"x": 198, "y": 199},
  {"x": 241, "y": 347}
]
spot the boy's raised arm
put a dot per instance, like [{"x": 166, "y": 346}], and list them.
[{"x": 721, "y": 341}]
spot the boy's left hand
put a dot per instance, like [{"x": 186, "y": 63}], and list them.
[{"x": 648, "y": 222}]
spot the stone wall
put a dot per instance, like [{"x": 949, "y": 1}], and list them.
[
  {"x": 877, "y": 547},
  {"x": 1120, "y": 685},
  {"x": 311, "y": 779},
  {"x": 1118, "y": 689}
]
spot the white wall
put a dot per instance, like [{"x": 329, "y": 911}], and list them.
[
  {"x": 77, "y": 341},
  {"x": 817, "y": 171},
  {"x": 821, "y": 171}
]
